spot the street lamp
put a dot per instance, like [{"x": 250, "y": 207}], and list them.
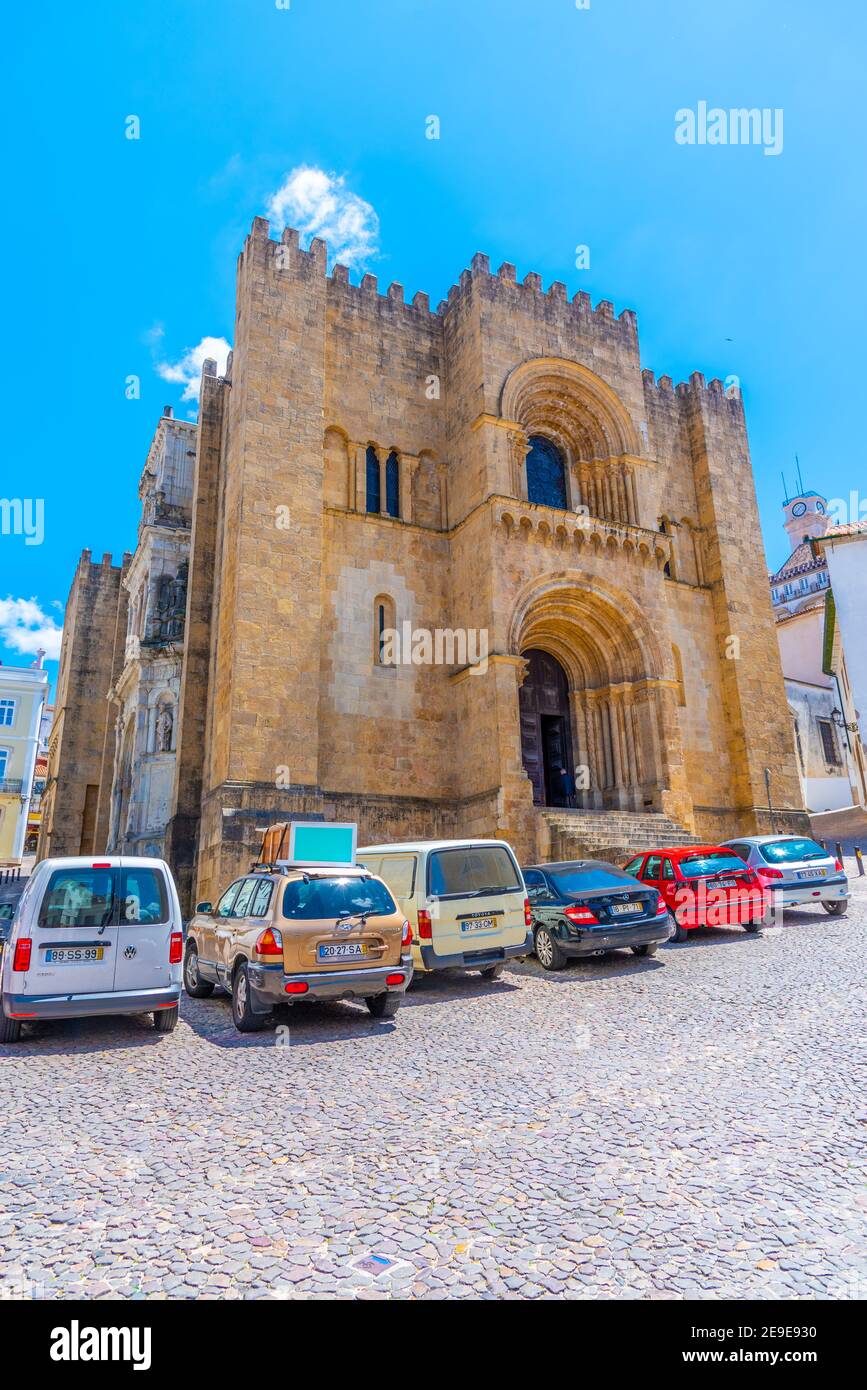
[{"x": 837, "y": 718}]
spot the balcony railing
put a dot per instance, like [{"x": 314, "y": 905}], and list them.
[{"x": 11, "y": 785}]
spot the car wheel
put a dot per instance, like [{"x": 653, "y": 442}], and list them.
[
  {"x": 242, "y": 1014},
  {"x": 679, "y": 933},
  {"x": 491, "y": 972},
  {"x": 196, "y": 987},
  {"x": 166, "y": 1020},
  {"x": 753, "y": 928},
  {"x": 548, "y": 950},
  {"x": 837, "y": 909},
  {"x": 383, "y": 1005},
  {"x": 10, "y": 1028},
  {"x": 648, "y": 949}
]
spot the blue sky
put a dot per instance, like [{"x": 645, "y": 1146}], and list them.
[{"x": 557, "y": 129}]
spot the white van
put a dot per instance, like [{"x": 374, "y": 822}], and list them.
[
  {"x": 93, "y": 936},
  {"x": 464, "y": 899}
]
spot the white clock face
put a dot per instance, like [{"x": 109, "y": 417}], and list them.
[
  {"x": 799, "y": 509},
  {"x": 820, "y": 508}
]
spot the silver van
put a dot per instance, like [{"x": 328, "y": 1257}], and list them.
[{"x": 93, "y": 936}]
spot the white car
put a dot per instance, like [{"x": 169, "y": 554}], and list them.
[
  {"x": 93, "y": 936},
  {"x": 798, "y": 871}
]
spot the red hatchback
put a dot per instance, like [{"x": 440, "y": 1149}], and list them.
[{"x": 702, "y": 885}]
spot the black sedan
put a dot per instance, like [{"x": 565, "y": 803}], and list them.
[{"x": 586, "y": 907}]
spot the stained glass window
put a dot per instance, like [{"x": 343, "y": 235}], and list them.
[
  {"x": 392, "y": 485},
  {"x": 372, "y": 480},
  {"x": 546, "y": 474}
]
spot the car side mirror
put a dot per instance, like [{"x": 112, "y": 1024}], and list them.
[{"x": 204, "y": 907}]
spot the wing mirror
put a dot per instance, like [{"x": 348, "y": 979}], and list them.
[{"x": 204, "y": 907}]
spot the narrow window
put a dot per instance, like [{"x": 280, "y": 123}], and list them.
[
  {"x": 829, "y": 742},
  {"x": 7, "y": 712},
  {"x": 546, "y": 473},
  {"x": 392, "y": 485},
  {"x": 373, "y": 494},
  {"x": 384, "y": 630}
]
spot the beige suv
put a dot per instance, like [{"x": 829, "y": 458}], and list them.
[{"x": 278, "y": 935}]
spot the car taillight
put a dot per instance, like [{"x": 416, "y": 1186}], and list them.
[
  {"x": 406, "y": 939},
  {"x": 528, "y": 914},
  {"x": 396, "y": 979},
  {"x": 425, "y": 930},
  {"x": 580, "y": 914},
  {"x": 770, "y": 873},
  {"x": 176, "y": 948},
  {"x": 296, "y": 987},
  {"x": 838, "y": 866},
  {"x": 21, "y": 959},
  {"x": 100, "y": 866},
  {"x": 661, "y": 907},
  {"x": 269, "y": 943}
]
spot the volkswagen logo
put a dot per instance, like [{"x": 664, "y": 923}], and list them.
[{"x": 129, "y": 952}]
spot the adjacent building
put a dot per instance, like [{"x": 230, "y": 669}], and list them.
[
  {"x": 74, "y": 814},
  {"x": 800, "y": 594},
  {"x": 144, "y": 697},
  {"x": 23, "y": 696},
  {"x": 843, "y": 548}
]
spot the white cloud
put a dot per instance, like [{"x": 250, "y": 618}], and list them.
[
  {"x": 24, "y": 627},
  {"x": 319, "y": 204},
  {"x": 187, "y": 371}
]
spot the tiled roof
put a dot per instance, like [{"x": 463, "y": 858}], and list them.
[
  {"x": 846, "y": 528},
  {"x": 800, "y": 560}
]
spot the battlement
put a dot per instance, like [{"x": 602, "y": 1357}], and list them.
[
  {"x": 533, "y": 294},
  {"x": 696, "y": 388},
  {"x": 315, "y": 261}
]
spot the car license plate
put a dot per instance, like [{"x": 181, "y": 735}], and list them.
[
  {"x": 478, "y": 924},
  {"x": 625, "y": 909},
  {"x": 342, "y": 950},
  {"x": 811, "y": 873},
  {"x": 73, "y": 955},
  {"x": 725, "y": 883}
]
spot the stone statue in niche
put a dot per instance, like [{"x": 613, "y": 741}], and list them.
[
  {"x": 164, "y": 728},
  {"x": 172, "y": 604}
]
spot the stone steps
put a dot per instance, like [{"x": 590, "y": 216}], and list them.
[{"x": 611, "y": 834}]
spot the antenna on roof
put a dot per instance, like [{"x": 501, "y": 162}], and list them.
[
  {"x": 800, "y": 479},
  {"x": 785, "y": 489}
]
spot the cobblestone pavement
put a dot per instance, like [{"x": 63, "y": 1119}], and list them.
[{"x": 680, "y": 1127}]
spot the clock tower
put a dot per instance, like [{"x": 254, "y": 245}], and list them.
[{"x": 806, "y": 515}]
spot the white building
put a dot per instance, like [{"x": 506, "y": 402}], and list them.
[
  {"x": 800, "y": 591},
  {"x": 843, "y": 549}
]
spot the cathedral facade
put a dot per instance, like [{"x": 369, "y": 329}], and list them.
[
  {"x": 445, "y": 564},
  {"x": 469, "y": 571}
]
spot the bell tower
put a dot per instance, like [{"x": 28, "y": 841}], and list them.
[{"x": 806, "y": 515}]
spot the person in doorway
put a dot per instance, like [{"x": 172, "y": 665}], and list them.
[{"x": 567, "y": 786}]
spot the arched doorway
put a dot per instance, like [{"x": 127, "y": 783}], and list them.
[
  {"x": 598, "y": 697},
  {"x": 546, "y": 736}
]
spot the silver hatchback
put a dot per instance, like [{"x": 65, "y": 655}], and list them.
[{"x": 796, "y": 870}]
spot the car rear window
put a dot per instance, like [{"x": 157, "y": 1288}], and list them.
[
  {"x": 336, "y": 897},
  {"x": 143, "y": 897},
  {"x": 78, "y": 898},
  {"x": 577, "y": 881},
  {"x": 472, "y": 871},
  {"x": 702, "y": 865},
  {"x": 788, "y": 851}
]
